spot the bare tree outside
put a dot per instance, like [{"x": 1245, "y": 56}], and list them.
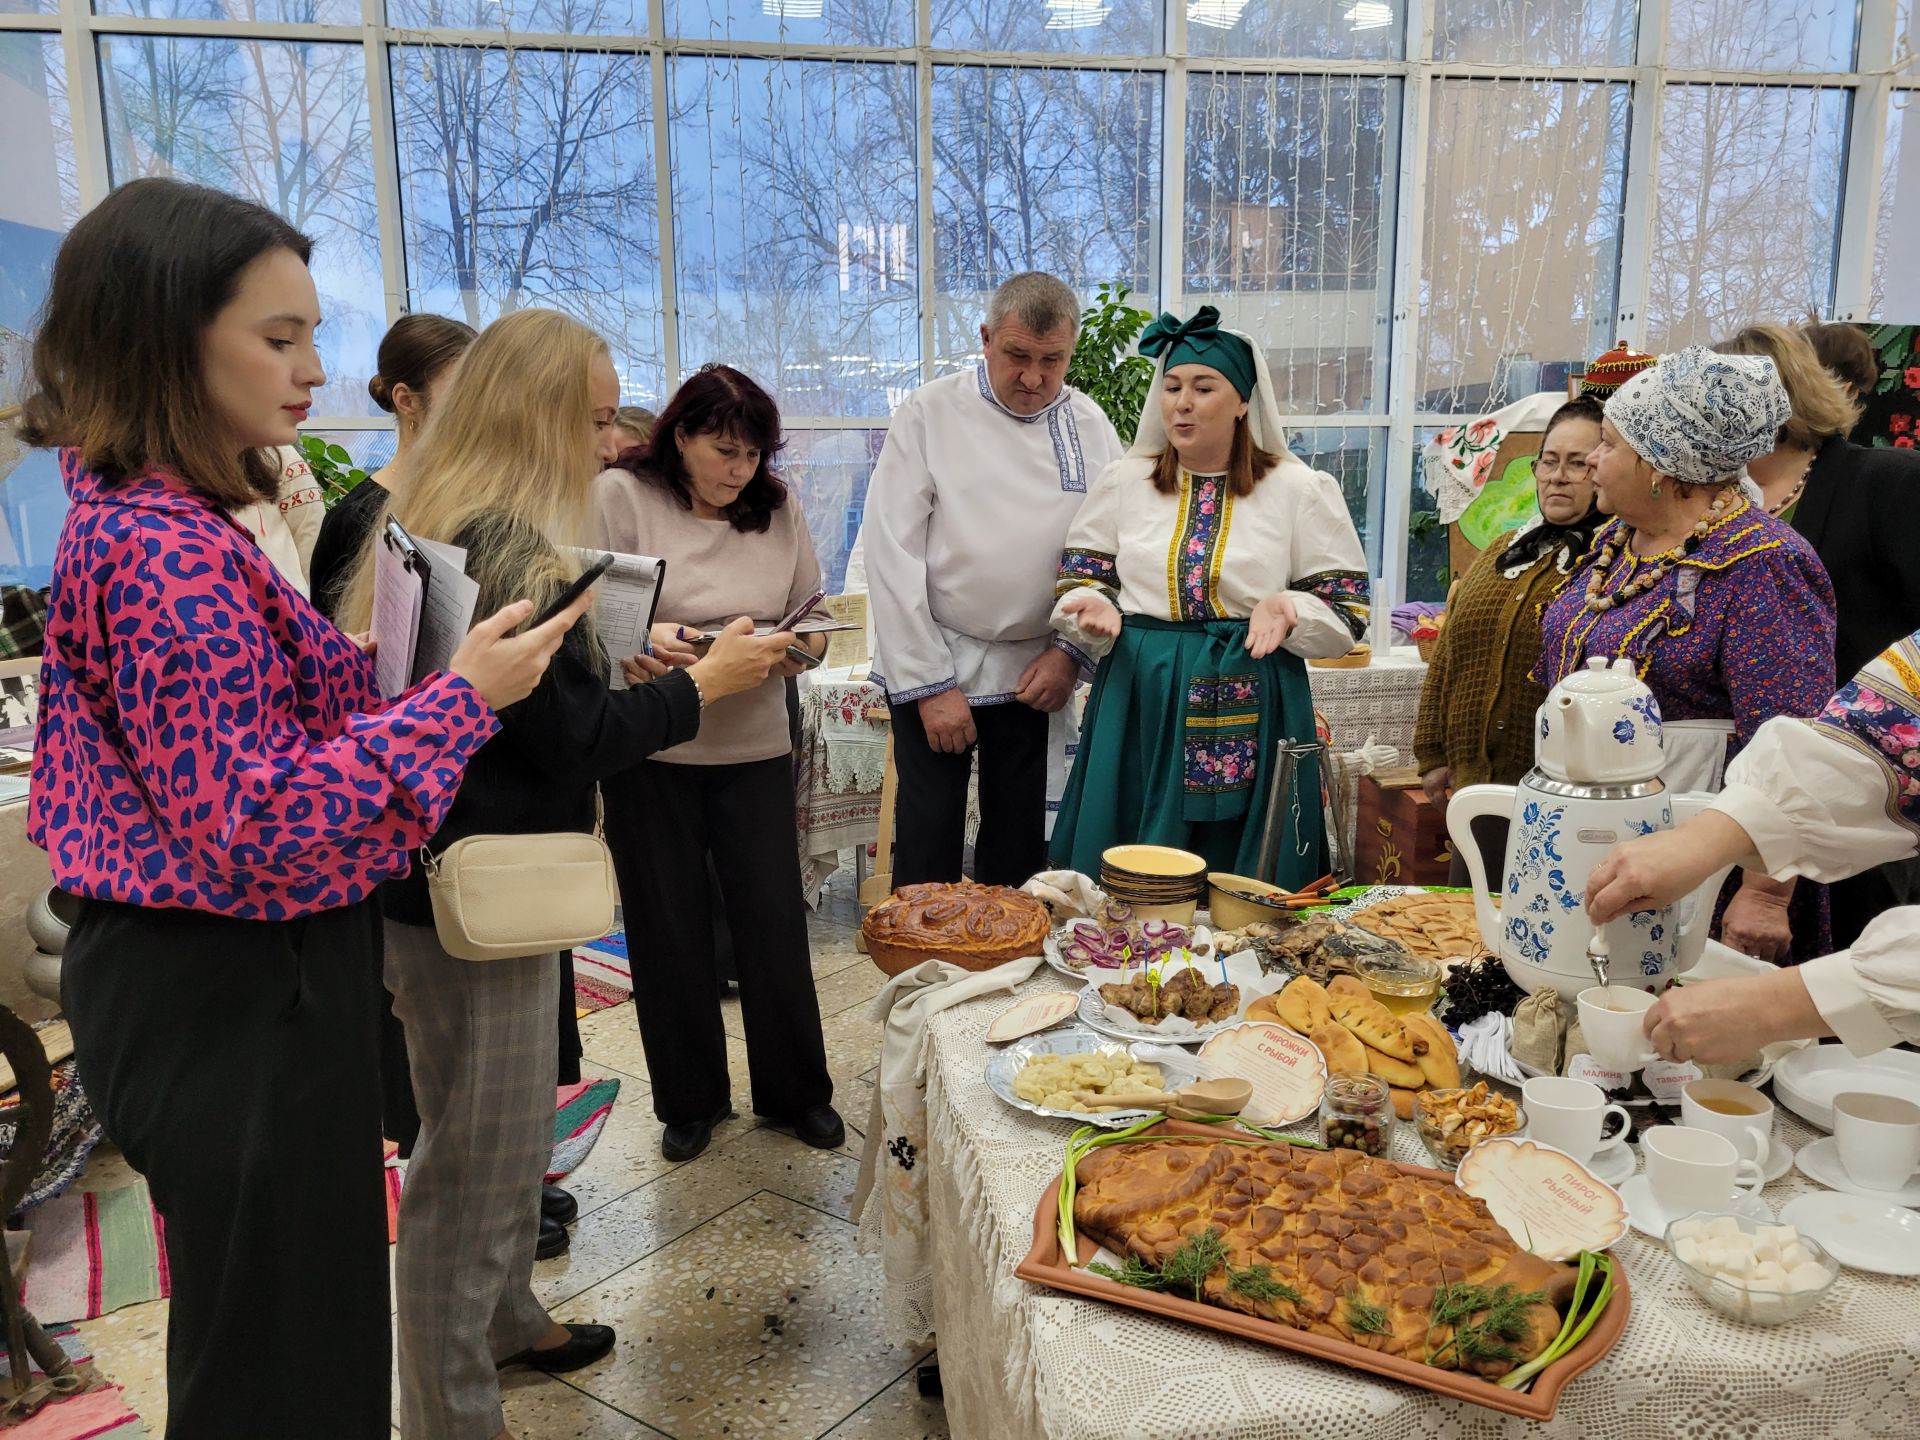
[{"x": 527, "y": 179}]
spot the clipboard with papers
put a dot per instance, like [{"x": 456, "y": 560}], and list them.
[
  {"x": 423, "y": 606},
  {"x": 401, "y": 571}
]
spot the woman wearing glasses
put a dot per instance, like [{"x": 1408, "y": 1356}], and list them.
[{"x": 1476, "y": 712}]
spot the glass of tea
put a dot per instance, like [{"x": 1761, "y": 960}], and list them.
[{"x": 1405, "y": 984}]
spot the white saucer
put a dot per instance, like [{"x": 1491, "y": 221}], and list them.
[
  {"x": 1646, "y": 1216},
  {"x": 1820, "y": 1163},
  {"x": 1779, "y": 1161},
  {"x": 1613, "y": 1163},
  {"x": 1864, "y": 1234}
]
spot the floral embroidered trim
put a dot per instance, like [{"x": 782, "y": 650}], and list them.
[
  {"x": 1095, "y": 568},
  {"x": 1198, "y": 548},
  {"x": 1221, "y": 749},
  {"x": 1347, "y": 593},
  {"x": 1874, "y": 714},
  {"x": 1217, "y": 765}
]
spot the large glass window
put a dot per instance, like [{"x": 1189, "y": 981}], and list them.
[
  {"x": 796, "y": 211},
  {"x": 1086, "y": 27},
  {"x": 37, "y": 204},
  {"x": 280, "y": 122},
  {"x": 794, "y": 22},
  {"x": 1746, "y": 209},
  {"x": 280, "y": 12},
  {"x": 1288, "y": 226},
  {"x": 526, "y": 178},
  {"x": 1356, "y": 457},
  {"x": 1896, "y": 278},
  {"x": 1522, "y": 239},
  {"x": 1761, "y": 34},
  {"x": 1055, "y": 170},
  {"x": 1297, "y": 29},
  {"x": 527, "y": 17},
  {"x": 1535, "y": 32},
  {"x": 829, "y": 470}
]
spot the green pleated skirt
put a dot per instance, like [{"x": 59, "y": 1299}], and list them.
[{"x": 1175, "y": 749}]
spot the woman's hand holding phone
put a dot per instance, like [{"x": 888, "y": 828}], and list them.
[
  {"x": 738, "y": 659},
  {"x": 505, "y": 667}
]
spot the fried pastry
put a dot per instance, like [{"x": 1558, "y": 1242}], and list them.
[{"x": 1335, "y": 1243}]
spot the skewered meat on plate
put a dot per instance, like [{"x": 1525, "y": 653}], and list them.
[{"x": 1184, "y": 993}]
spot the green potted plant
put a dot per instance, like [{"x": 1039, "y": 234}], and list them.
[
  {"x": 332, "y": 466},
  {"x": 1103, "y": 367}
]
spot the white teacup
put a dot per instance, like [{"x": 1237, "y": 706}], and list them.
[
  {"x": 1568, "y": 1115},
  {"x": 1739, "y": 1112},
  {"x": 1691, "y": 1169},
  {"x": 1612, "y": 1017},
  {"x": 1879, "y": 1139}
]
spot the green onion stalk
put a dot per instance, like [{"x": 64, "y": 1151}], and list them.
[{"x": 1580, "y": 1318}]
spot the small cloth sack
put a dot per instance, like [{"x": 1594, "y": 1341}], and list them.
[{"x": 1539, "y": 1030}]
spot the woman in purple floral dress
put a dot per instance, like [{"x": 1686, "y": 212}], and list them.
[{"x": 1726, "y": 611}]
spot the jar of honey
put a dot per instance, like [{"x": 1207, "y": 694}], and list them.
[{"x": 1405, "y": 984}]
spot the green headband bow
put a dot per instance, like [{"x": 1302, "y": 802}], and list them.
[{"x": 1201, "y": 341}]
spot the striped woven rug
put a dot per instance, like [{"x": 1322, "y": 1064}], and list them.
[{"x": 602, "y": 974}]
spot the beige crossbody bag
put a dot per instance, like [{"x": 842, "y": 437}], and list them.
[{"x": 499, "y": 897}]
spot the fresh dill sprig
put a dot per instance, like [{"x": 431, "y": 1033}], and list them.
[
  {"x": 1502, "y": 1322},
  {"x": 1257, "y": 1284},
  {"x": 1187, "y": 1268},
  {"x": 1367, "y": 1316}
]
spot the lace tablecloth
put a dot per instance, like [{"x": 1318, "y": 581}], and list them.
[{"x": 1019, "y": 1361}]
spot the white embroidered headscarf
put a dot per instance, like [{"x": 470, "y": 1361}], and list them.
[
  {"x": 1700, "y": 416},
  {"x": 1263, "y": 414}
]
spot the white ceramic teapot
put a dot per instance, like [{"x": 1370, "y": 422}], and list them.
[{"x": 1596, "y": 781}]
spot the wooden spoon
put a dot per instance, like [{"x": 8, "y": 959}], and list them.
[{"x": 1203, "y": 1097}]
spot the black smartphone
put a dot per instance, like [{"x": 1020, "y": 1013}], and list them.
[{"x": 574, "y": 591}]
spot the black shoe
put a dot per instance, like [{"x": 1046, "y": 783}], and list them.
[
  {"x": 585, "y": 1344},
  {"x": 821, "y": 1127},
  {"x": 683, "y": 1142},
  {"x": 553, "y": 1240},
  {"x": 558, "y": 1204}
]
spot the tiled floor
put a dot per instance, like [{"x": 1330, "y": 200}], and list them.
[{"x": 743, "y": 1304}]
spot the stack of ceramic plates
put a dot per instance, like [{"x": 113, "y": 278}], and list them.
[{"x": 1156, "y": 881}]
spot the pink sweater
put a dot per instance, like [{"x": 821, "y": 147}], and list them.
[{"x": 207, "y": 739}]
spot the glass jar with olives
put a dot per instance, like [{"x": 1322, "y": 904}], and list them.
[{"x": 1356, "y": 1113}]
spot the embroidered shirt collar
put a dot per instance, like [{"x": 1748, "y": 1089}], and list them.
[{"x": 986, "y": 393}]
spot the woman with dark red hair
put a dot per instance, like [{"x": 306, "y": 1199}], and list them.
[{"x": 702, "y": 495}]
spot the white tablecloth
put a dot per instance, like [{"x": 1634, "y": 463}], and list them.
[{"x": 1018, "y": 1361}]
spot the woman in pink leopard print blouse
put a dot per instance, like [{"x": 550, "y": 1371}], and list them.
[{"x": 218, "y": 779}]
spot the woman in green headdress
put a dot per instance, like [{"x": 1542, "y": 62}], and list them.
[{"x": 1205, "y": 567}]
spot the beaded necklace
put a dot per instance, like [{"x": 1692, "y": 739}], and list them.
[{"x": 1662, "y": 564}]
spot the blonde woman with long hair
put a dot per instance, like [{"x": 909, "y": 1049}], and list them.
[{"x": 503, "y": 471}]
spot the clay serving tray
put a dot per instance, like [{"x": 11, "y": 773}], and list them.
[{"x": 1044, "y": 1266}]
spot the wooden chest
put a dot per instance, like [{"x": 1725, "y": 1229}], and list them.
[{"x": 1399, "y": 838}]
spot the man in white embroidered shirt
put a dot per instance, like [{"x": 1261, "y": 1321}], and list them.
[{"x": 966, "y": 514}]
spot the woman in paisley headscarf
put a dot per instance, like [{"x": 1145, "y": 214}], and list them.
[
  {"x": 1725, "y": 611},
  {"x": 1476, "y": 709},
  {"x": 1207, "y": 564}
]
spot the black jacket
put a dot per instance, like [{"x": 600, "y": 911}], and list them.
[
  {"x": 343, "y": 534},
  {"x": 538, "y": 774},
  {"x": 1858, "y": 513}
]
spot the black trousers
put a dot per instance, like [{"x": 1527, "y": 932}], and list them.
[
  {"x": 663, "y": 822},
  {"x": 930, "y": 811},
  {"x": 236, "y": 1063}
]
